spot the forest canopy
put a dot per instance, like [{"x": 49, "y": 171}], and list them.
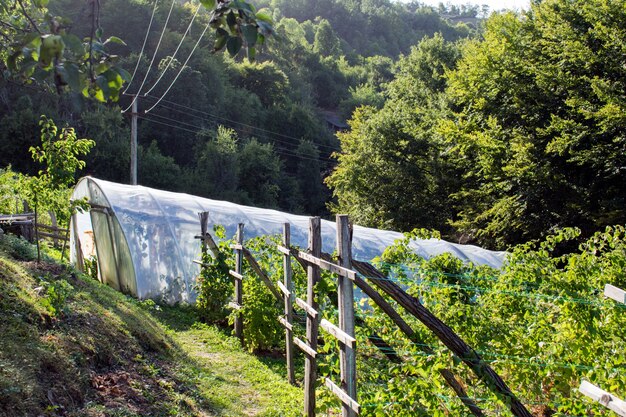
[
  {"x": 492, "y": 128},
  {"x": 502, "y": 138}
]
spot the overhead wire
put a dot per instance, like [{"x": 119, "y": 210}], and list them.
[
  {"x": 280, "y": 150},
  {"x": 145, "y": 40},
  {"x": 230, "y": 123},
  {"x": 156, "y": 50},
  {"x": 182, "y": 68},
  {"x": 331, "y": 148},
  {"x": 166, "y": 124},
  {"x": 175, "y": 52},
  {"x": 239, "y": 129}
]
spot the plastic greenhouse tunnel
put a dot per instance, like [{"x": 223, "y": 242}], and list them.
[{"x": 144, "y": 239}]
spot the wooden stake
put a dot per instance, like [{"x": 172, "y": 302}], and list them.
[
  {"x": 55, "y": 225},
  {"x": 260, "y": 273},
  {"x": 37, "y": 232},
  {"x": 287, "y": 277},
  {"x": 66, "y": 241},
  {"x": 313, "y": 276},
  {"x": 239, "y": 283},
  {"x": 80, "y": 260},
  {"x": 345, "y": 298},
  {"x": 204, "y": 224}
]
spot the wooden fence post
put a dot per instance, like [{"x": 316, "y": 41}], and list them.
[
  {"x": 312, "y": 323},
  {"x": 80, "y": 260},
  {"x": 55, "y": 225},
  {"x": 37, "y": 232},
  {"x": 289, "y": 298},
  {"x": 204, "y": 224},
  {"x": 345, "y": 290},
  {"x": 239, "y": 282},
  {"x": 28, "y": 230}
]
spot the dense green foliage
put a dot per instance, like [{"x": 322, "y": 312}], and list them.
[
  {"x": 326, "y": 60},
  {"x": 540, "y": 121},
  {"x": 214, "y": 286},
  {"x": 369, "y": 27},
  {"x": 540, "y": 322},
  {"x": 499, "y": 139}
]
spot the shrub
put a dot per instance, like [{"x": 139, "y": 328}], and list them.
[{"x": 214, "y": 286}]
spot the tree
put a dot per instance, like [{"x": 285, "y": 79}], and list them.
[
  {"x": 309, "y": 178},
  {"x": 59, "y": 154},
  {"x": 326, "y": 42},
  {"x": 37, "y": 44},
  {"x": 109, "y": 157},
  {"x": 157, "y": 170},
  {"x": 217, "y": 169},
  {"x": 266, "y": 80},
  {"x": 540, "y": 126},
  {"x": 260, "y": 173},
  {"x": 18, "y": 133},
  {"x": 393, "y": 171}
]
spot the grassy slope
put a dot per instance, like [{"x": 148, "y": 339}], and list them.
[{"x": 103, "y": 354}]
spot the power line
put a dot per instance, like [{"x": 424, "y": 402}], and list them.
[
  {"x": 282, "y": 151},
  {"x": 331, "y": 148},
  {"x": 230, "y": 124},
  {"x": 182, "y": 67},
  {"x": 166, "y": 124},
  {"x": 153, "y": 58},
  {"x": 145, "y": 40},
  {"x": 175, "y": 52}
]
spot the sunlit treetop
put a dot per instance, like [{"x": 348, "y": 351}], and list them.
[{"x": 38, "y": 47}]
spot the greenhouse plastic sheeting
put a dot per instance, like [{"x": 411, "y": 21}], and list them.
[{"x": 145, "y": 238}]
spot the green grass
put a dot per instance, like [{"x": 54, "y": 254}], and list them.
[{"x": 71, "y": 346}]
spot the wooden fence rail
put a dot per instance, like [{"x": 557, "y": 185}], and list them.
[
  {"x": 27, "y": 221},
  {"x": 597, "y": 394},
  {"x": 349, "y": 272}
]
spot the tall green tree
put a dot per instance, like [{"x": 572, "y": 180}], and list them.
[
  {"x": 392, "y": 169},
  {"x": 540, "y": 122},
  {"x": 309, "y": 178},
  {"x": 217, "y": 170},
  {"x": 326, "y": 42}
]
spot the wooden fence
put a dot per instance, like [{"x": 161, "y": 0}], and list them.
[
  {"x": 28, "y": 226},
  {"x": 350, "y": 272}
]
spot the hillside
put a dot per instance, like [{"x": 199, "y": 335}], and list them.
[
  {"x": 278, "y": 116},
  {"x": 73, "y": 347}
]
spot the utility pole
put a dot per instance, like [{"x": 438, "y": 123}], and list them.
[{"x": 133, "y": 142}]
